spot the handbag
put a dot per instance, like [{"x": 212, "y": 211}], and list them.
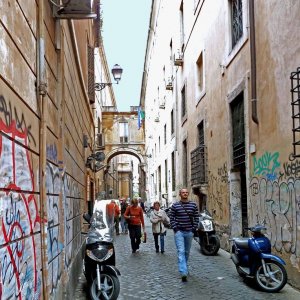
[{"x": 166, "y": 224}]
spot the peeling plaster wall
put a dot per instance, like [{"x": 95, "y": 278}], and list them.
[{"x": 30, "y": 258}]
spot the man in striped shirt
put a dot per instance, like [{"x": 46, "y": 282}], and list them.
[{"x": 184, "y": 219}]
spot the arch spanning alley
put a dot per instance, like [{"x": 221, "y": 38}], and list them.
[{"x": 120, "y": 150}]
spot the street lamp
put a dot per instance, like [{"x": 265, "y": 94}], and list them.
[{"x": 117, "y": 73}]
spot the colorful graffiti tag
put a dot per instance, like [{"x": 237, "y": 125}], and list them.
[
  {"x": 275, "y": 201},
  {"x": 19, "y": 216}
]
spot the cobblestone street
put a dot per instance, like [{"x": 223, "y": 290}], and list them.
[{"x": 150, "y": 275}]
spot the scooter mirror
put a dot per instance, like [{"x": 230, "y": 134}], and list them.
[{"x": 87, "y": 217}]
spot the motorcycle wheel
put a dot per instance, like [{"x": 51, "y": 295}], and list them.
[
  {"x": 212, "y": 247},
  {"x": 110, "y": 288},
  {"x": 277, "y": 279}
]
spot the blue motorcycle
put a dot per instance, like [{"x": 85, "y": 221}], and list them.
[{"x": 253, "y": 259}]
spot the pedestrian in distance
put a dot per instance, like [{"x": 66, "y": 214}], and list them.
[
  {"x": 158, "y": 218},
  {"x": 184, "y": 218},
  {"x": 113, "y": 211},
  {"x": 124, "y": 224},
  {"x": 134, "y": 215}
]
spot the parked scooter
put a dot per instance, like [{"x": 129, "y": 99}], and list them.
[
  {"x": 99, "y": 260},
  {"x": 253, "y": 259},
  {"x": 208, "y": 240}
]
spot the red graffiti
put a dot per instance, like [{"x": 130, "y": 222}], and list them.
[{"x": 22, "y": 213}]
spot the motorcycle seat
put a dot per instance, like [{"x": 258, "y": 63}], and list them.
[{"x": 241, "y": 242}]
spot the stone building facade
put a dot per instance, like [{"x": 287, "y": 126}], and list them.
[
  {"x": 217, "y": 94},
  {"x": 49, "y": 117}
]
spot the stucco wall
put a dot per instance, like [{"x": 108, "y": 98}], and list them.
[
  {"x": 42, "y": 159},
  {"x": 272, "y": 177}
]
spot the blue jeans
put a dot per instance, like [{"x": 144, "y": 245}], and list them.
[
  {"x": 124, "y": 224},
  {"x": 162, "y": 241},
  {"x": 183, "y": 242}
]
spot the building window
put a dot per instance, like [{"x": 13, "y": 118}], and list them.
[
  {"x": 91, "y": 74},
  {"x": 173, "y": 172},
  {"x": 159, "y": 144},
  {"x": 200, "y": 73},
  {"x": 183, "y": 102},
  {"x": 236, "y": 21},
  {"x": 238, "y": 131},
  {"x": 199, "y": 160},
  {"x": 184, "y": 164},
  {"x": 172, "y": 122},
  {"x": 165, "y": 133},
  {"x": 123, "y": 132},
  {"x": 166, "y": 175},
  {"x": 181, "y": 26},
  {"x": 159, "y": 180}
]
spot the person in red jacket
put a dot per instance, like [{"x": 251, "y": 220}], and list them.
[
  {"x": 113, "y": 212},
  {"x": 135, "y": 218}
]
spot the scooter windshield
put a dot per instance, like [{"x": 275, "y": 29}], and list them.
[
  {"x": 205, "y": 215},
  {"x": 101, "y": 224}
]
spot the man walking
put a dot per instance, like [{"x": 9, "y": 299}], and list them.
[{"x": 184, "y": 218}]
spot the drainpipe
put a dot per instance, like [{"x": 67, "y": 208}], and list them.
[
  {"x": 253, "y": 62},
  {"x": 42, "y": 92}
]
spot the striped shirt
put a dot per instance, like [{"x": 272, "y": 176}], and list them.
[{"x": 184, "y": 216}]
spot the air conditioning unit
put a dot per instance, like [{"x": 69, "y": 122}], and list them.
[
  {"x": 178, "y": 59},
  {"x": 76, "y": 9},
  {"x": 162, "y": 104},
  {"x": 169, "y": 85},
  {"x": 100, "y": 141}
]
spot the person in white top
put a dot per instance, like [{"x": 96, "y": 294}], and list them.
[{"x": 158, "y": 218}]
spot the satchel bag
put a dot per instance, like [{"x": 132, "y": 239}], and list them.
[{"x": 195, "y": 230}]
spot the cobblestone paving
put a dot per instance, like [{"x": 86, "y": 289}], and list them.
[{"x": 154, "y": 276}]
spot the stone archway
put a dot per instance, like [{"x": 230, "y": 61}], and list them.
[{"x": 114, "y": 125}]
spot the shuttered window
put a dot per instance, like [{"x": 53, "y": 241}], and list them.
[{"x": 91, "y": 75}]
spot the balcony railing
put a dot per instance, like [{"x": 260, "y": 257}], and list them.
[{"x": 199, "y": 165}]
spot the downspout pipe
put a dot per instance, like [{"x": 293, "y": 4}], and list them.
[
  {"x": 253, "y": 62},
  {"x": 41, "y": 96}
]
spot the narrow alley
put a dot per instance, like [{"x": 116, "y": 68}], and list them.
[{"x": 154, "y": 276}]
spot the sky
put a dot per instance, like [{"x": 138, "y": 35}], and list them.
[{"x": 125, "y": 32}]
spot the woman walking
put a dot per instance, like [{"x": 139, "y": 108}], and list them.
[
  {"x": 158, "y": 217},
  {"x": 134, "y": 215}
]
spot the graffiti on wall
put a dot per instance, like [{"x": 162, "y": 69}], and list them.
[
  {"x": 218, "y": 190},
  {"x": 9, "y": 115},
  {"x": 54, "y": 245},
  {"x": 275, "y": 201},
  {"x": 72, "y": 199},
  {"x": 20, "y": 267}
]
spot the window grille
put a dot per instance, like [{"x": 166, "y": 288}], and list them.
[
  {"x": 91, "y": 75},
  {"x": 236, "y": 21},
  {"x": 199, "y": 165},
  {"x": 295, "y": 94}
]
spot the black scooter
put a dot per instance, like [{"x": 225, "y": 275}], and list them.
[
  {"x": 99, "y": 259},
  {"x": 208, "y": 240}
]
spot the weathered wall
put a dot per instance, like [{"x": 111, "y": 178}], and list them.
[
  {"x": 274, "y": 187},
  {"x": 272, "y": 176},
  {"x": 42, "y": 159}
]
